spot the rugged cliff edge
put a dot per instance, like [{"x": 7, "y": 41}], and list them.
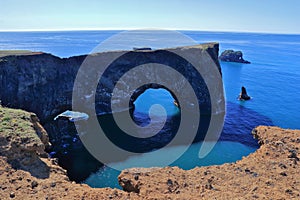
[
  {"x": 272, "y": 172},
  {"x": 26, "y": 172},
  {"x": 37, "y": 82},
  {"x": 43, "y": 83}
]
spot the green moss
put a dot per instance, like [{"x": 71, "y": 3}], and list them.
[
  {"x": 6, "y": 118},
  {"x": 17, "y": 123}
]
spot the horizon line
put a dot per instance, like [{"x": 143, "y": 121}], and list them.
[{"x": 129, "y": 29}]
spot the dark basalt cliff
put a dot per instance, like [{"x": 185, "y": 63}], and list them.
[
  {"x": 40, "y": 83},
  {"x": 43, "y": 83},
  {"x": 233, "y": 56}
]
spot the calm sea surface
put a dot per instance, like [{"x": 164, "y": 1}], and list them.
[{"x": 272, "y": 79}]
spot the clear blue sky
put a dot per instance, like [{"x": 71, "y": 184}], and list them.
[{"x": 277, "y": 16}]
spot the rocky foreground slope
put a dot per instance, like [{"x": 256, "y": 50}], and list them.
[{"x": 272, "y": 172}]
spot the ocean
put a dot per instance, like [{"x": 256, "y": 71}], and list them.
[{"x": 272, "y": 80}]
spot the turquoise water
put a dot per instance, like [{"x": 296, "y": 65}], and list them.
[
  {"x": 223, "y": 152},
  {"x": 235, "y": 142},
  {"x": 272, "y": 80}
]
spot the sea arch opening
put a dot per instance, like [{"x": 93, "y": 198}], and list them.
[{"x": 148, "y": 95}]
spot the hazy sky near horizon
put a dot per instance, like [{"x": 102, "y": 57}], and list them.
[{"x": 274, "y": 16}]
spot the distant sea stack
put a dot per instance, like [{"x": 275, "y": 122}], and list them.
[
  {"x": 233, "y": 56},
  {"x": 243, "y": 95}
]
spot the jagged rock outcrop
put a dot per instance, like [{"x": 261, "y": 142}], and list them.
[{"x": 233, "y": 56}]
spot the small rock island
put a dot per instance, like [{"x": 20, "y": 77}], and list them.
[
  {"x": 243, "y": 95},
  {"x": 233, "y": 56}
]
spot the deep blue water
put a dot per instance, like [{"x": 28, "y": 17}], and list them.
[{"x": 272, "y": 80}]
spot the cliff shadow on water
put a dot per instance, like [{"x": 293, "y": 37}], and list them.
[
  {"x": 80, "y": 164},
  {"x": 44, "y": 85}
]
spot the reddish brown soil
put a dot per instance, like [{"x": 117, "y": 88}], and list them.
[{"x": 272, "y": 172}]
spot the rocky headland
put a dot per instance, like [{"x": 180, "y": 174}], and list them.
[
  {"x": 26, "y": 172},
  {"x": 233, "y": 56},
  {"x": 44, "y": 84}
]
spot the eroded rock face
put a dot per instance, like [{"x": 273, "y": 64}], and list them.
[
  {"x": 27, "y": 173},
  {"x": 43, "y": 83},
  {"x": 23, "y": 141},
  {"x": 233, "y": 56},
  {"x": 40, "y": 83}
]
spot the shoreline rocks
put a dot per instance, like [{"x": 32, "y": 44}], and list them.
[
  {"x": 233, "y": 56},
  {"x": 270, "y": 172}
]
